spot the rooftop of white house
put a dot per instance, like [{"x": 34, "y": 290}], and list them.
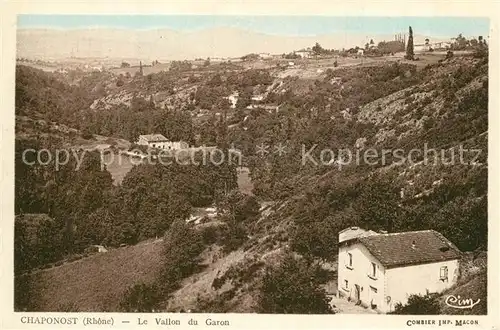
[
  {"x": 408, "y": 248},
  {"x": 154, "y": 138}
]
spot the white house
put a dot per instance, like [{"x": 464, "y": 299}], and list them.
[
  {"x": 265, "y": 56},
  {"x": 422, "y": 47},
  {"x": 304, "y": 53},
  {"x": 441, "y": 45},
  {"x": 160, "y": 142},
  {"x": 379, "y": 270}
]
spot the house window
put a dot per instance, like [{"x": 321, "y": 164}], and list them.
[
  {"x": 374, "y": 270},
  {"x": 443, "y": 273},
  {"x": 349, "y": 255},
  {"x": 346, "y": 284}
]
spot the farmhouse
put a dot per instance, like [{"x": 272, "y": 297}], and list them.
[
  {"x": 160, "y": 142},
  {"x": 422, "y": 47},
  {"x": 304, "y": 53},
  {"x": 379, "y": 270}
]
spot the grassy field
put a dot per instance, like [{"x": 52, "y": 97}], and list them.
[
  {"x": 97, "y": 283},
  {"x": 245, "y": 184}
]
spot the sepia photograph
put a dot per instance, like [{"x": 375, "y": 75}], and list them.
[{"x": 251, "y": 164}]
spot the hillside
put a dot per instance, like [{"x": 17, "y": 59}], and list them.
[
  {"x": 296, "y": 208},
  {"x": 96, "y": 282}
]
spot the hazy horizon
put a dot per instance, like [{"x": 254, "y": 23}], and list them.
[{"x": 151, "y": 37}]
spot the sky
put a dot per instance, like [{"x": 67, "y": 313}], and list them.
[{"x": 275, "y": 25}]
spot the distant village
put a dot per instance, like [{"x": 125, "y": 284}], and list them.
[{"x": 369, "y": 49}]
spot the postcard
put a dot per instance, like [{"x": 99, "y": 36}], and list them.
[{"x": 240, "y": 169}]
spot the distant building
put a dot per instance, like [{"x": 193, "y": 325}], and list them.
[
  {"x": 304, "y": 53},
  {"x": 99, "y": 248},
  {"x": 158, "y": 141},
  {"x": 379, "y": 270},
  {"x": 428, "y": 46},
  {"x": 441, "y": 45},
  {"x": 422, "y": 47},
  {"x": 233, "y": 98},
  {"x": 361, "y": 52},
  {"x": 265, "y": 56}
]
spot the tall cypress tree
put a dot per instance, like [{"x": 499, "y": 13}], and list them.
[{"x": 410, "y": 55}]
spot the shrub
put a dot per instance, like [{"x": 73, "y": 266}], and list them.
[
  {"x": 87, "y": 134},
  {"x": 419, "y": 305},
  {"x": 293, "y": 288},
  {"x": 140, "y": 298}
]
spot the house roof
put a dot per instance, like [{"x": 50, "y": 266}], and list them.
[
  {"x": 154, "y": 138},
  {"x": 410, "y": 248}
]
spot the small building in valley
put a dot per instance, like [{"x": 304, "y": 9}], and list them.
[
  {"x": 379, "y": 270},
  {"x": 158, "y": 141}
]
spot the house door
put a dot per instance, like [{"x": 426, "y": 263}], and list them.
[{"x": 357, "y": 293}]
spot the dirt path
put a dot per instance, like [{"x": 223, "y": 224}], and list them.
[{"x": 342, "y": 306}]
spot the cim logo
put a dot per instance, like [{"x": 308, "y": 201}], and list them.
[{"x": 461, "y": 303}]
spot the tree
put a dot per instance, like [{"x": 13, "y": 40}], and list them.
[
  {"x": 460, "y": 43},
  {"x": 390, "y": 47},
  {"x": 125, "y": 65},
  {"x": 378, "y": 204},
  {"x": 182, "y": 247},
  {"x": 293, "y": 288},
  {"x": 317, "y": 49},
  {"x": 410, "y": 55},
  {"x": 120, "y": 82},
  {"x": 242, "y": 207}
]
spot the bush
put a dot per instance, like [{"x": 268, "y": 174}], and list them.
[
  {"x": 87, "y": 134},
  {"x": 210, "y": 235},
  {"x": 419, "y": 305},
  {"x": 140, "y": 298},
  {"x": 293, "y": 288}
]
